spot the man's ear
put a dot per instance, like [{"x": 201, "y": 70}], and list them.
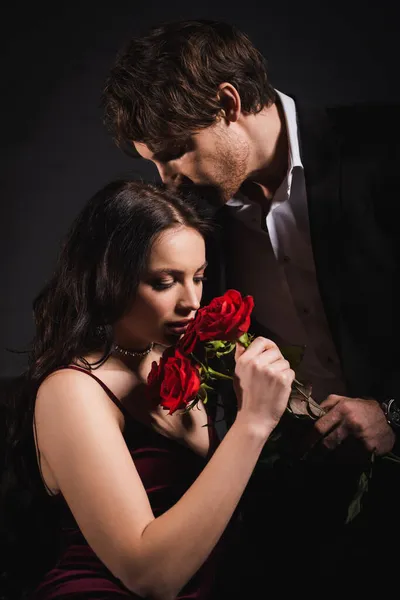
[{"x": 230, "y": 102}]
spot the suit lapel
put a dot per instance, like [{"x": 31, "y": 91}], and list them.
[{"x": 320, "y": 153}]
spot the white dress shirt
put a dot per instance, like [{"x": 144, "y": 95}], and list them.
[{"x": 275, "y": 264}]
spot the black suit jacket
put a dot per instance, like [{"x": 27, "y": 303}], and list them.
[{"x": 351, "y": 159}]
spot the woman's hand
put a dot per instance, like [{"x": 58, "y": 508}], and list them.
[{"x": 262, "y": 383}]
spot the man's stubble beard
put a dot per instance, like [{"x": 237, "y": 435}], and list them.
[{"x": 232, "y": 168}]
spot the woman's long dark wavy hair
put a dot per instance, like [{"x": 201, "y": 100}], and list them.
[{"x": 93, "y": 285}]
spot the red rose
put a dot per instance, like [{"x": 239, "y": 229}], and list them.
[
  {"x": 226, "y": 318},
  {"x": 174, "y": 382},
  {"x": 190, "y": 339}
]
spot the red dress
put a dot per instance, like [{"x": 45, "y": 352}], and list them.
[{"x": 167, "y": 469}]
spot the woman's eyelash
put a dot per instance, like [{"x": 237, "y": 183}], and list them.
[{"x": 160, "y": 285}]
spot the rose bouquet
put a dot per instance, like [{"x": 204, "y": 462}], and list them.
[{"x": 187, "y": 372}]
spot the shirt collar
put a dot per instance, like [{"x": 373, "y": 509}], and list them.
[{"x": 289, "y": 111}]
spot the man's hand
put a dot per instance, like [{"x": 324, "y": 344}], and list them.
[{"x": 356, "y": 417}]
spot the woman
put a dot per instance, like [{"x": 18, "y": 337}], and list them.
[{"x": 142, "y": 497}]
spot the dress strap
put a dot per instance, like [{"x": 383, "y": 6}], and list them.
[{"x": 107, "y": 390}]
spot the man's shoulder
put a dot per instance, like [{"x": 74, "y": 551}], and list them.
[
  {"x": 372, "y": 122},
  {"x": 365, "y": 118},
  {"x": 364, "y": 131}
]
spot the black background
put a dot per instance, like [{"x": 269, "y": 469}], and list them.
[{"x": 55, "y": 150}]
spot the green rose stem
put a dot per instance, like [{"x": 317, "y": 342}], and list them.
[
  {"x": 245, "y": 339},
  {"x": 218, "y": 374},
  {"x": 207, "y": 371}
]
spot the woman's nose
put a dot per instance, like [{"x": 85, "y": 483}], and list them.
[{"x": 190, "y": 298}]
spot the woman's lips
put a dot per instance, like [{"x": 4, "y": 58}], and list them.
[{"x": 177, "y": 327}]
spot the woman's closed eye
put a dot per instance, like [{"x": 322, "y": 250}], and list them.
[
  {"x": 162, "y": 284},
  {"x": 165, "y": 284}
]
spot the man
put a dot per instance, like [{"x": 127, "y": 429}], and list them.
[{"x": 308, "y": 218}]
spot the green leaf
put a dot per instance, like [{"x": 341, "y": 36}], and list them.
[
  {"x": 294, "y": 354},
  {"x": 363, "y": 484}
]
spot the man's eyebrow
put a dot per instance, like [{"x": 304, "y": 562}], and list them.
[
  {"x": 174, "y": 148},
  {"x": 161, "y": 155},
  {"x": 164, "y": 154}
]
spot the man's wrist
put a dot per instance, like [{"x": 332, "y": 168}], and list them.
[{"x": 391, "y": 410}]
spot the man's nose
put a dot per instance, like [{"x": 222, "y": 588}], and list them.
[
  {"x": 174, "y": 181},
  {"x": 168, "y": 177},
  {"x": 164, "y": 176}
]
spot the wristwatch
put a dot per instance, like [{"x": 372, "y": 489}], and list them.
[{"x": 392, "y": 413}]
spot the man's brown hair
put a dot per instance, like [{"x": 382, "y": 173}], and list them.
[{"x": 164, "y": 85}]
